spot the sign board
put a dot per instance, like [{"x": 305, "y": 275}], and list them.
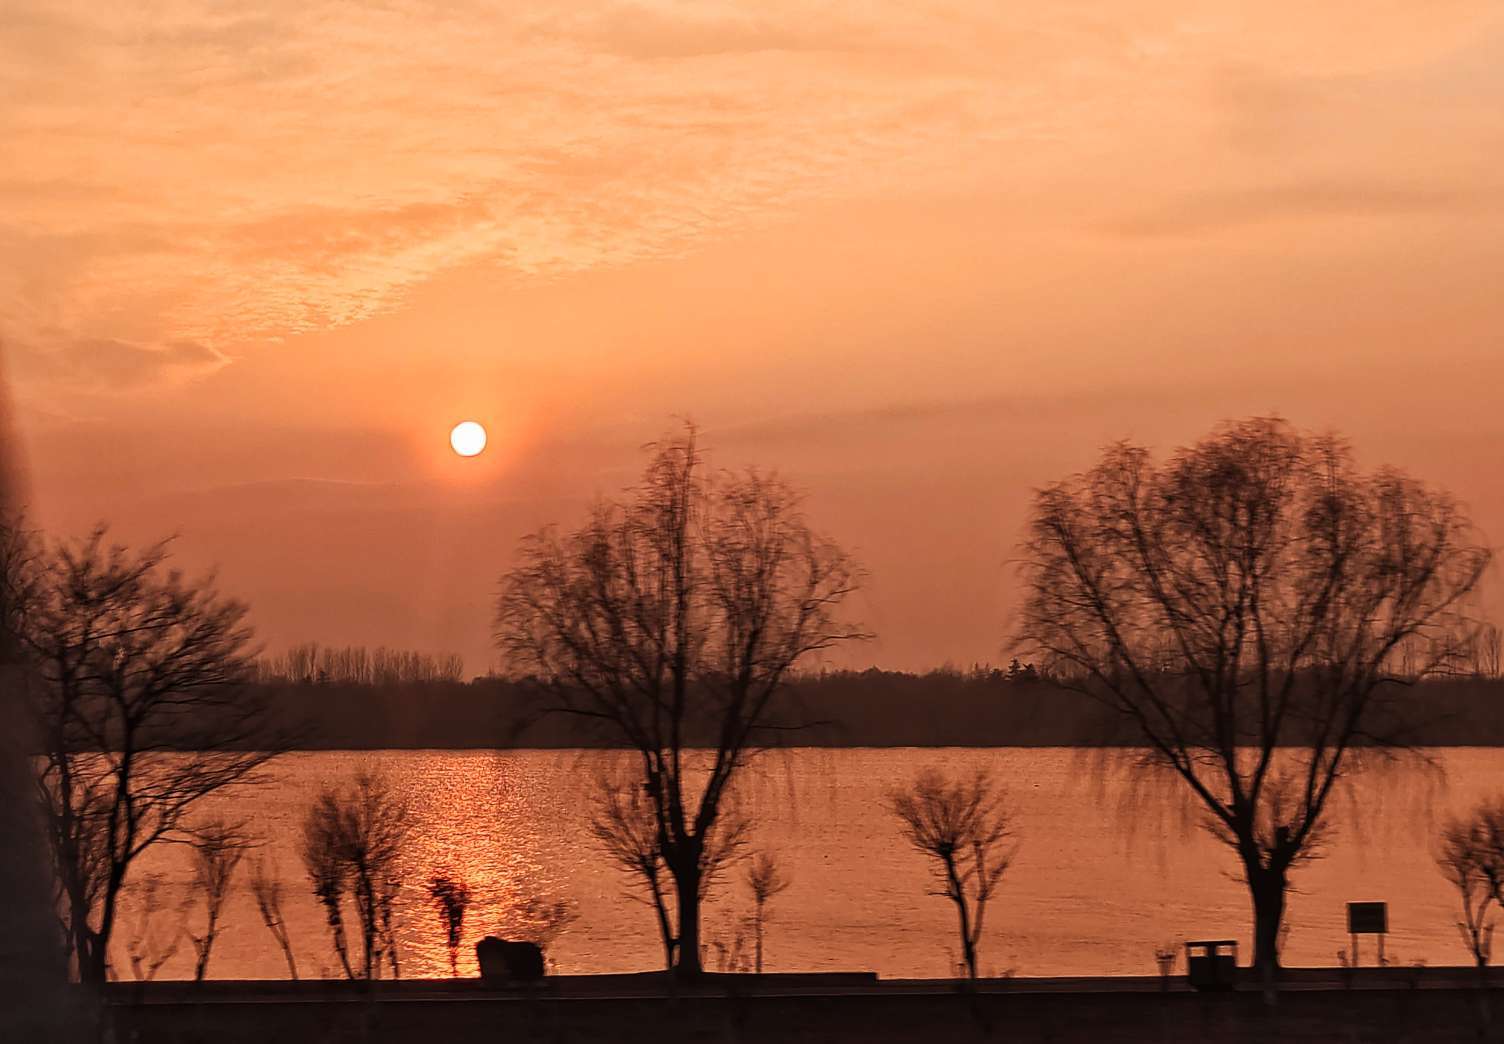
[{"x": 1367, "y": 918}]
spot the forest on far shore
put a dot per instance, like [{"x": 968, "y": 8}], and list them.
[{"x": 980, "y": 707}]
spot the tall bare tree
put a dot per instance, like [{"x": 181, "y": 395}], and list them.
[
  {"x": 218, "y": 847},
  {"x": 672, "y": 619},
  {"x": 353, "y": 837},
  {"x": 1251, "y": 606},
  {"x": 964, "y": 827},
  {"x": 141, "y": 710},
  {"x": 1472, "y": 859}
]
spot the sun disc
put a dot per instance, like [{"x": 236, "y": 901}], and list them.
[{"x": 467, "y": 438}]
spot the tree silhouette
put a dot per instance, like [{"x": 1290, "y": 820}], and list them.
[
  {"x": 1250, "y": 606},
  {"x": 266, "y": 888},
  {"x": 765, "y": 879},
  {"x": 963, "y": 827},
  {"x": 1472, "y": 859},
  {"x": 139, "y": 701},
  {"x": 451, "y": 898},
  {"x": 218, "y": 847},
  {"x": 625, "y": 823},
  {"x": 672, "y": 619},
  {"x": 353, "y": 838}
]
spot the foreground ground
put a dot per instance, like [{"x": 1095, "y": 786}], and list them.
[{"x": 1377, "y": 1005}]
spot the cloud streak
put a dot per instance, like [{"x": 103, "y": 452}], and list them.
[
  {"x": 108, "y": 364},
  {"x": 222, "y": 174},
  {"x": 1214, "y": 212}
]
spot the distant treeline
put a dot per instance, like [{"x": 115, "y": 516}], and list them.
[
  {"x": 871, "y": 708},
  {"x": 315, "y": 664}
]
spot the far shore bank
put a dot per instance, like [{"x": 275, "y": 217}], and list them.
[{"x": 872, "y": 708}]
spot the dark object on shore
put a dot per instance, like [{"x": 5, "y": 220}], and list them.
[
  {"x": 1208, "y": 967},
  {"x": 502, "y": 962}
]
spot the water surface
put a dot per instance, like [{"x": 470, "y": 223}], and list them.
[{"x": 1108, "y": 867}]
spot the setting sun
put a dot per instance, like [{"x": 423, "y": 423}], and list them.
[
  {"x": 1065, "y": 437},
  {"x": 468, "y": 438}
]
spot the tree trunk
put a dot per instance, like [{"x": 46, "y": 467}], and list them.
[
  {"x": 687, "y": 887},
  {"x": 758, "y": 926},
  {"x": 92, "y": 960},
  {"x": 665, "y": 929},
  {"x": 1268, "y": 890},
  {"x": 968, "y": 948},
  {"x": 957, "y": 893}
]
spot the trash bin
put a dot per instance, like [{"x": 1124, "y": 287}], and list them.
[{"x": 1212, "y": 964}]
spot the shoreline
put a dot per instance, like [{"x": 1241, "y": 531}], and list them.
[{"x": 1380, "y": 1005}]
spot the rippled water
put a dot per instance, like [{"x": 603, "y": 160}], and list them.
[{"x": 1108, "y": 868}]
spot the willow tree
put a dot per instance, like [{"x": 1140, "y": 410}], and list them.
[
  {"x": 1471, "y": 856},
  {"x": 1253, "y": 606},
  {"x": 671, "y": 620},
  {"x": 965, "y": 828}
]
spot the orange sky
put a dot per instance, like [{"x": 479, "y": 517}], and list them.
[{"x": 260, "y": 257}]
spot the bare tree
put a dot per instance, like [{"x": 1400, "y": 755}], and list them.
[
  {"x": 1472, "y": 858},
  {"x": 964, "y": 827},
  {"x": 626, "y": 825},
  {"x": 218, "y": 847},
  {"x": 765, "y": 879},
  {"x": 141, "y": 711},
  {"x": 672, "y": 620},
  {"x": 1250, "y": 606},
  {"x": 352, "y": 842},
  {"x": 266, "y": 888},
  {"x": 451, "y": 898},
  {"x": 328, "y": 876},
  {"x": 1486, "y": 652}
]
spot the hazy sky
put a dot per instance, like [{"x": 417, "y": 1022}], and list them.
[{"x": 922, "y": 257}]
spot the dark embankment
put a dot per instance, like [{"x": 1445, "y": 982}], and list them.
[
  {"x": 845, "y": 709},
  {"x": 1418, "y": 1009}
]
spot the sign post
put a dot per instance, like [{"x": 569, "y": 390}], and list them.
[{"x": 1367, "y": 919}]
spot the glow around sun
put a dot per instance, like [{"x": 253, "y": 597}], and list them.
[{"x": 468, "y": 438}]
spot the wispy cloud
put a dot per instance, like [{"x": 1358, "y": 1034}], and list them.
[
  {"x": 222, "y": 173},
  {"x": 105, "y": 363},
  {"x": 1221, "y": 211}
]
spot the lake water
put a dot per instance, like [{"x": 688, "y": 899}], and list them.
[{"x": 1108, "y": 867}]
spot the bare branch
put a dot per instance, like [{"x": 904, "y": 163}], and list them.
[
  {"x": 965, "y": 827},
  {"x": 673, "y": 619},
  {"x": 1251, "y": 605}
]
